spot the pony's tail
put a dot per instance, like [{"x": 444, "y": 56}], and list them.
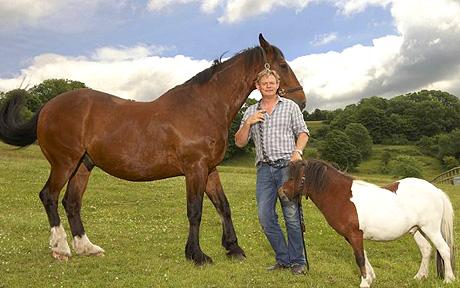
[
  {"x": 13, "y": 129},
  {"x": 447, "y": 231}
]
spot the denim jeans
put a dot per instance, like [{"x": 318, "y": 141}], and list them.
[{"x": 269, "y": 180}]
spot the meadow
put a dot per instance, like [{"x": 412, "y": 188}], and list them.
[{"x": 143, "y": 227}]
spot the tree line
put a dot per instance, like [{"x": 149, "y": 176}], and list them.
[{"x": 429, "y": 119}]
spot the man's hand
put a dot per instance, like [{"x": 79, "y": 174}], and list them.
[{"x": 258, "y": 116}]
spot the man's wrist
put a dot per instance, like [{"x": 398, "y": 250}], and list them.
[{"x": 300, "y": 152}]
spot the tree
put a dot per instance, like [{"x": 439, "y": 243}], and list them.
[
  {"x": 337, "y": 148},
  {"x": 48, "y": 89},
  {"x": 232, "y": 149},
  {"x": 376, "y": 121},
  {"x": 359, "y": 136}
]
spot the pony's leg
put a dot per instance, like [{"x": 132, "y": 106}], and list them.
[
  {"x": 369, "y": 269},
  {"x": 443, "y": 249},
  {"x": 72, "y": 203},
  {"x": 425, "y": 250},
  {"x": 49, "y": 196},
  {"x": 356, "y": 242},
  {"x": 195, "y": 180},
  {"x": 216, "y": 194}
]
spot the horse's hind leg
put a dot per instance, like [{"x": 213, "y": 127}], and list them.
[
  {"x": 72, "y": 203},
  {"x": 438, "y": 241},
  {"x": 369, "y": 269},
  {"x": 215, "y": 192},
  {"x": 49, "y": 196},
  {"x": 425, "y": 250}
]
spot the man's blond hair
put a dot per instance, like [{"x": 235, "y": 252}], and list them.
[{"x": 268, "y": 72}]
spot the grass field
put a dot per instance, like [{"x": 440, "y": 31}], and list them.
[{"x": 143, "y": 228}]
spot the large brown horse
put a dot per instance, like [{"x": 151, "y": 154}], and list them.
[{"x": 183, "y": 132}]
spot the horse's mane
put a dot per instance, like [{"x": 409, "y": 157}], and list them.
[
  {"x": 251, "y": 56},
  {"x": 316, "y": 176}
]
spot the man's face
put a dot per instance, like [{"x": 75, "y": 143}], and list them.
[{"x": 268, "y": 85}]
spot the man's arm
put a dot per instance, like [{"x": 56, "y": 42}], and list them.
[
  {"x": 242, "y": 135},
  {"x": 302, "y": 140}
]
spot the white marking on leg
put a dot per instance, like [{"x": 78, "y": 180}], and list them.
[
  {"x": 83, "y": 246},
  {"x": 369, "y": 270},
  {"x": 364, "y": 283},
  {"x": 425, "y": 250},
  {"x": 58, "y": 243}
]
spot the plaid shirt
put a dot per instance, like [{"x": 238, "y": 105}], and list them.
[{"x": 280, "y": 130}]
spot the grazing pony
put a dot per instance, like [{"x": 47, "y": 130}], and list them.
[
  {"x": 183, "y": 132},
  {"x": 359, "y": 210}
]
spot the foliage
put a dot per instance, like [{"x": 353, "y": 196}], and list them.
[
  {"x": 359, "y": 136},
  {"x": 404, "y": 166},
  {"x": 450, "y": 162},
  {"x": 338, "y": 148},
  {"x": 401, "y": 119},
  {"x": 232, "y": 149},
  {"x": 48, "y": 89}
]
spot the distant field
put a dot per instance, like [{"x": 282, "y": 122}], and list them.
[{"x": 143, "y": 228}]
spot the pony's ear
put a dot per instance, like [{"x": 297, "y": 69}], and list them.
[{"x": 263, "y": 43}]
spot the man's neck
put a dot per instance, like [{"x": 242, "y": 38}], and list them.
[{"x": 269, "y": 100}]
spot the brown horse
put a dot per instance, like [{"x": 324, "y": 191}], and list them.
[
  {"x": 359, "y": 210},
  {"x": 183, "y": 132}
]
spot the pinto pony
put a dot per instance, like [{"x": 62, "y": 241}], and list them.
[
  {"x": 183, "y": 132},
  {"x": 359, "y": 210}
]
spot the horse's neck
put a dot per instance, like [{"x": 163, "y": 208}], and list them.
[{"x": 231, "y": 87}]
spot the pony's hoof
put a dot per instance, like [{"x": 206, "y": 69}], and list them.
[
  {"x": 60, "y": 257},
  {"x": 420, "y": 277},
  {"x": 449, "y": 280},
  {"x": 200, "y": 259}
]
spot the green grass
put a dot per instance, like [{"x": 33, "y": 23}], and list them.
[{"x": 143, "y": 228}]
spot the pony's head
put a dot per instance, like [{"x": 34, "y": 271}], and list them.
[
  {"x": 305, "y": 178},
  {"x": 289, "y": 85}
]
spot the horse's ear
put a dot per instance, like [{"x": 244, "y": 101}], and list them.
[{"x": 263, "y": 43}]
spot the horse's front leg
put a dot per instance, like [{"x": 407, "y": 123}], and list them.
[
  {"x": 216, "y": 194},
  {"x": 195, "y": 179},
  {"x": 356, "y": 242}
]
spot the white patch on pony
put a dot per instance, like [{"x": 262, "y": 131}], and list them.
[
  {"x": 83, "y": 246},
  {"x": 58, "y": 243},
  {"x": 384, "y": 215},
  {"x": 369, "y": 270},
  {"x": 364, "y": 283}
]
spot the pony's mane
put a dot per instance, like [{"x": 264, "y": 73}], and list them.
[
  {"x": 251, "y": 56},
  {"x": 316, "y": 176}
]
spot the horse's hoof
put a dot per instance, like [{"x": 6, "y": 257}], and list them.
[
  {"x": 237, "y": 254},
  {"x": 200, "y": 260},
  {"x": 420, "y": 277},
  {"x": 59, "y": 256}
]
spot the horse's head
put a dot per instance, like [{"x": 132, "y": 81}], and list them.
[
  {"x": 294, "y": 187},
  {"x": 289, "y": 85}
]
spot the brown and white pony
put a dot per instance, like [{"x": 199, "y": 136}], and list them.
[
  {"x": 183, "y": 132},
  {"x": 359, "y": 210}
]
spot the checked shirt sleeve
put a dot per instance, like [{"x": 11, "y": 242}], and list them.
[{"x": 298, "y": 124}]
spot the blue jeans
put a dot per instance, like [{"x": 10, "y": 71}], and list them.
[{"x": 269, "y": 180}]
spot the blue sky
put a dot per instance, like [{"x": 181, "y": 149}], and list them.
[{"x": 341, "y": 50}]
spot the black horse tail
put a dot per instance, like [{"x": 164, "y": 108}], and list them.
[{"x": 13, "y": 129}]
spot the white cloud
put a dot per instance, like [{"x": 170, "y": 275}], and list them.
[
  {"x": 69, "y": 14},
  {"x": 423, "y": 56},
  {"x": 141, "y": 77},
  {"x": 324, "y": 39},
  {"x": 207, "y": 6}
]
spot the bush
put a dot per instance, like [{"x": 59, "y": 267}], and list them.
[
  {"x": 450, "y": 162},
  {"x": 337, "y": 148},
  {"x": 359, "y": 136},
  {"x": 404, "y": 166}
]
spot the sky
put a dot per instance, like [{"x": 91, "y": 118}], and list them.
[{"x": 340, "y": 50}]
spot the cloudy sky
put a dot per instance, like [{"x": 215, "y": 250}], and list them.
[{"x": 341, "y": 50}]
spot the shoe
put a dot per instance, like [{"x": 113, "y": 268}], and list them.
[
  {"x": 277, "y": 266},
  {"x": 298, "y": 269}
]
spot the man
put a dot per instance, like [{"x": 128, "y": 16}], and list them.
[{"x": 279, "y": 132}]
